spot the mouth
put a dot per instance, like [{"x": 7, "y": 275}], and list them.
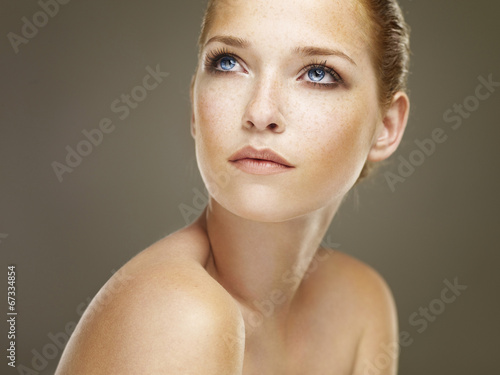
[{"x": 261, "y": 162}]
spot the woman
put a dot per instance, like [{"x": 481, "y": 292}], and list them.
[{"x": 292, "y": 102}]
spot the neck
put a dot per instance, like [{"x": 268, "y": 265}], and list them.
[{"x": 261, "y": 263}]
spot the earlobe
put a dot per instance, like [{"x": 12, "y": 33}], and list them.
[{"x": 392, "y": 128}]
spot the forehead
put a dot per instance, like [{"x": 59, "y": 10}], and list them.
[{"x": 343, "y": 23}]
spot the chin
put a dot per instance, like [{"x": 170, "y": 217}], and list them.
[
  {"x": 263, "y": 214},
  {"x": 263, "y": 206}
]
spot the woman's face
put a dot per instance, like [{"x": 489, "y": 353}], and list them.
[{"x": 293, "y": 76}]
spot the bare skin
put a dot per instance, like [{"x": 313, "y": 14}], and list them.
[
  {"x": 247, "y": 289},
  {"x": 314, "y": 320},
  {"x": 337, "y": 321}
]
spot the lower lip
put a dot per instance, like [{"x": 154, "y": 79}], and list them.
[{"x": 261, "y": 167}]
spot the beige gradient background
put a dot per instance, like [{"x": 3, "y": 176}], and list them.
[{"x": 66, "y": 237}]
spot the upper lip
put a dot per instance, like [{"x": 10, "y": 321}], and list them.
[{"x": 248, "y": 152}]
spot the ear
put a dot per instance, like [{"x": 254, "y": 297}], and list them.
[
  {"x": 191, "y": 90},
  {"x": 391, "y": 129}
]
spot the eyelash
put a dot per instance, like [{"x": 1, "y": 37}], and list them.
[
  {"x": 322, "y": 65},
  {"x": 213, "y": 58}
]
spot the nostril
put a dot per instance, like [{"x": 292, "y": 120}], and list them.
[{"x": 273, "y": 126}]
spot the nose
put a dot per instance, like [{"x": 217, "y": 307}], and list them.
[{"x": 263, "y": 109}]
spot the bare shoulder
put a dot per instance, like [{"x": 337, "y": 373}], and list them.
[
  {"x": 356, "y": 275},
  {"x": 160, "y": 313},
  {"x": 369, "y": 305},
  {"x": 351, "y": 276}
]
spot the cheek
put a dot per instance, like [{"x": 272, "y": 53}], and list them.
[
  {"x": 211, "y": 110},
  {"x": 333, "y": 126},
  {"x": 334, "y": 138},
  {"x": 219, "y": 104},
  {"x": 216, "y": 120}
]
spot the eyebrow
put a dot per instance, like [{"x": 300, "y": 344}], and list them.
[
  {"x": 229, "y": 40},
  {"x": 317, "y": 51},
  {"x": 305, "y": 51}
]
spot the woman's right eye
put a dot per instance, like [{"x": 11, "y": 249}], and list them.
[
  {"x": 227, "y": 63},
  {"x": 221, "y": 62}
]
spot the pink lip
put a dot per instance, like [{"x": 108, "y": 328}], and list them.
[{"x": 262, "y": 162}]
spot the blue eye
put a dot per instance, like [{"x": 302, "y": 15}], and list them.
[
  {"x": 223, "y": 61},
  {"x": 316, "y": 74},
  {"x": 321, "y": 76},
  {"x": 227, "y": 63}
]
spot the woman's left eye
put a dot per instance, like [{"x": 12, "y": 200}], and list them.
[
  {"x": 321, "y": 75},
  {"x": 316, "y": 75}
]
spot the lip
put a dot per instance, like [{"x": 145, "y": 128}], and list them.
[{"x": 262, "y": 162}]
